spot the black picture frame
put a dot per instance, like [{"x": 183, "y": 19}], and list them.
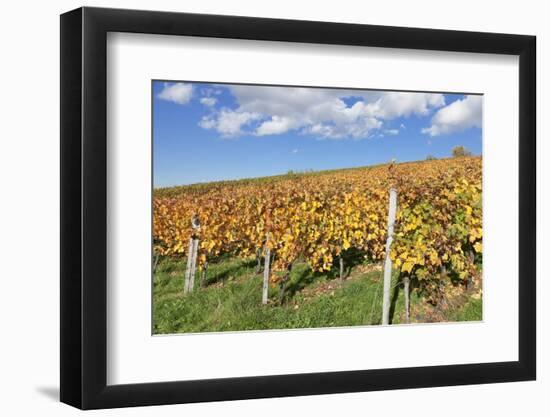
[{"x": 84, "y": 207}]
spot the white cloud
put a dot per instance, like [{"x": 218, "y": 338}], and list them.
[
  {"x": 397, "y": 104},
  {"x": 208, "y": 123},
  {"x": 208, "y": 101},
  {"x": 457, "y": 116},
  {"x": 402, "y": 126},
  {"x": 324, "y": 113},
  {"x": 392, "y": 132},
  {"x": 209, "y": 92},
  {"x": 179, "y": 93},
  {"x": 295, "y": 151},
  {"x": 227, "y": 122},
  {"x": 276, "y": 125}
]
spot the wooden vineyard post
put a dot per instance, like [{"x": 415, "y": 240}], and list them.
[
  {"x": 258, "y": 260},
  {"x": 341, "y": 268},
  {"x": 155, "y": 262},
  {"x": 442, "y": 301},
  {"x": 265, "y": 288},
  {"x": 193, "y": 264},
  {"x": 406, "y": 282},
  {"x": 192, "y": 256},
  {"x": 188, "y": 268},
  {"x": 282, "y": 286},
  {"x": 203, "y": 275},
  {"x": 388, "y": 264},
  {"x": 469, "y": 281}
]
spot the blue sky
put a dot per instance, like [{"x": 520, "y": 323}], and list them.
[{"x": 206, "y": 132}]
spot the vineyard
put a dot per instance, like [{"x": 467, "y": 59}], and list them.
[{"x": 331, "y": 222}]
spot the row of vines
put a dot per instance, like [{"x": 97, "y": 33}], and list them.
[{"x": 321, "y": 218}]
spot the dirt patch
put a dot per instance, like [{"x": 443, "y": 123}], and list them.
[
  {"x": 329, "y": 287},
  {"x": 320, "y": 289},
  {"x": 455, "y": 298}
]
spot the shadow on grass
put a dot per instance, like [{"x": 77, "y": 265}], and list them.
[
  {"x": 395, "y": 296},
  {"x": 298, "y": 281},
  {"x": 352, "y": 258},
  {"x": 302, "y": 276},
  {"x": 222, "y": 271}
]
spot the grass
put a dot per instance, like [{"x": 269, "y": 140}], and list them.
[
  {"x": 231, "y": 300},
  {"x": 470, "y": 311}
]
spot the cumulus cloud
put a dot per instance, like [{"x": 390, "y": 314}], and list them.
[
  {"x": 276, "y": 125},
  {"x": 392, "y": 132},
  {"x": 179, "y": 93},
  {"x": 209, "y": 92},
  {"x": 228, "y": 123},
  {"x": 459, "y": 115},
  {"x": 398, "y": 104},
  {"x": 208, "y": 101},
  {"x": 324, "y": 113}
]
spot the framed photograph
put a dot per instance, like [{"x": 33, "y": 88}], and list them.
[{"x": 257, "y": 208}]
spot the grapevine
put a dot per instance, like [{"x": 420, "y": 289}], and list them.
[{"x": 318, "y": 217}]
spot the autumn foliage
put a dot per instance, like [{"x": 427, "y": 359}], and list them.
[{"x": 319, "y": 217}]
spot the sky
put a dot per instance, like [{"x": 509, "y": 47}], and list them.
[{"x": 206, "y": 132}]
